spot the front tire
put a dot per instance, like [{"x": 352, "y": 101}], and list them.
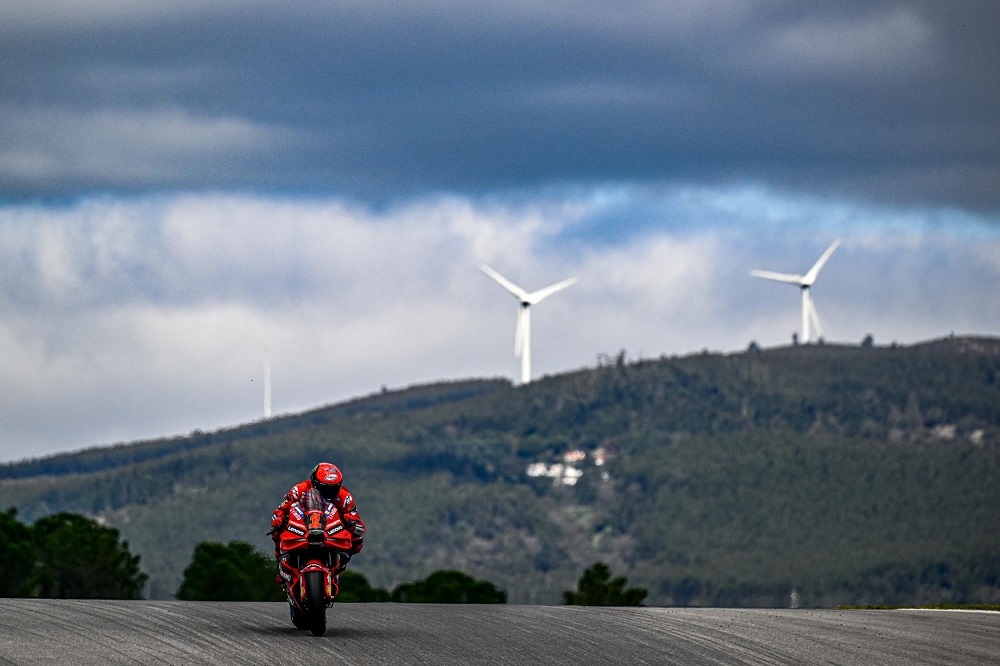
[{"x": 316, "y": 601}]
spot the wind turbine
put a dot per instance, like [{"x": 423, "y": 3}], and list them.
[
  {"x": 805, "y": 283},
  {"x": 267, "y": 387},
  {"x": 522, "y": 339}
]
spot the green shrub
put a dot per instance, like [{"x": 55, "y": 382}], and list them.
[
  {"x": 597, "y": 588},
  {"x": 233, "y": 572},
  {"x": 449, "y": 587}
]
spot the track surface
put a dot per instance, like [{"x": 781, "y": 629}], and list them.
[{"x": 173, "y": 632}]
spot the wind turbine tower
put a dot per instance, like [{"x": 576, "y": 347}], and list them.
[
  {"x": 522, "y": 338},
  {"x": 267, "y": 388},
  {"x": 805, "y": 283}
]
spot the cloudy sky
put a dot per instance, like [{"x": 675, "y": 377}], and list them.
[{"x": 189, "y": 190}]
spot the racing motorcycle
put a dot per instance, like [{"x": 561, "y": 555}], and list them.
[{"x": 313, "y": 545}]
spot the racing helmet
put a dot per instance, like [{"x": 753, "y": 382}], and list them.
[{"x": 327, "y": 479}]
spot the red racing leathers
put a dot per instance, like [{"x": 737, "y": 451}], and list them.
[{"x": 345, "y": 506}]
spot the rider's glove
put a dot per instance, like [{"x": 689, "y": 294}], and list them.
[{"x": 358, "y": 529}]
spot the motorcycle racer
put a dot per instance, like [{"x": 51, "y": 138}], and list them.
[{"x": 328, "y": 480}]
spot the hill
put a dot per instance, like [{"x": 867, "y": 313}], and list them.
[{"x": 816, "y": 475}]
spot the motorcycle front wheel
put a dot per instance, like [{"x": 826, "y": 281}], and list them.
[{"x": 316, "y": 601}]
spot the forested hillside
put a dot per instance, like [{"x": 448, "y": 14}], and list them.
[{"x": 815, "y": 475}]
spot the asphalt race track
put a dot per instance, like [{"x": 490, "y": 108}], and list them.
[{"x": 36, "y": 631}]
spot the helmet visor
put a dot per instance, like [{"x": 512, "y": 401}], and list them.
[{"x": 328, "y": 491}]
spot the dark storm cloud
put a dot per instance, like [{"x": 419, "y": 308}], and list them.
[{"x": 882, "y": 100}]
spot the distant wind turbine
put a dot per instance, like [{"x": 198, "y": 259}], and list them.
[
  {"x": 522, "y": 339},
  {"x": 267, "y": 388},
  {"x": 805, "y": 283}
]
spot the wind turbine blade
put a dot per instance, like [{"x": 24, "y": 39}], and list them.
[
  {"x": 778, "y": 277},
  {"x": 519, "y": 293},
  {"x": 814, "y": 317},
  {"x": 813, "y": 273},
  {"x": 536, "y": 296}
]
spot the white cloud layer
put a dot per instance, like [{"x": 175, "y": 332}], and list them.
[{"x": 136, "y": 318}]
